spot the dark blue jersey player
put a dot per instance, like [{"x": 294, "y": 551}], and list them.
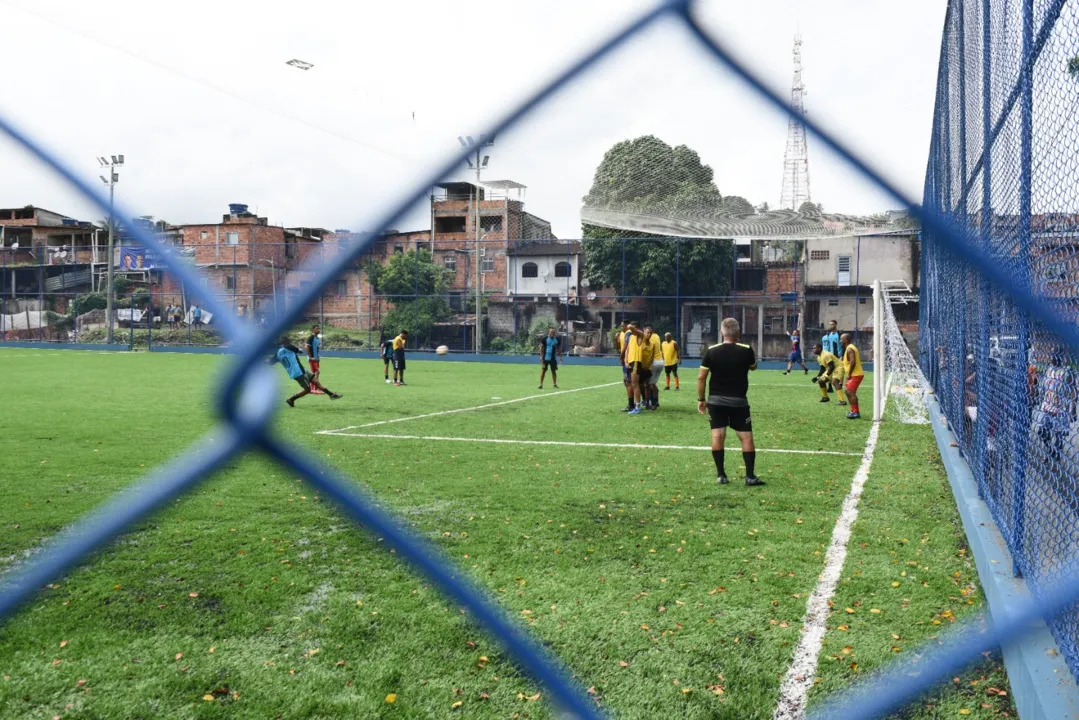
[
  {"x": 550, "y": 351},
  {"x": 289, "y": 356},
  {"x": 387, "y": 358}
]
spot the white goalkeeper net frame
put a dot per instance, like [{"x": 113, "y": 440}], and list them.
[{"x": 899, "y": 379}]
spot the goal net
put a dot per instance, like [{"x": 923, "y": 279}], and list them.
[{"x": 905, "y": 387}]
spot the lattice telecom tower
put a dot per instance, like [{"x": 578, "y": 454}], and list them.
[{"x": 796, "y": 158}]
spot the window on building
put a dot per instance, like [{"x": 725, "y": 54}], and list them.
[
  {"x": 743, "y": 250},
  {"x": 450, "y": 224},
  {"x": 203, "y": 235},
  {"x": 833, "y": 303},
  {"x": 820, "y": 254},
  {"x": 398, "y": 249},
  {"x": 491, "y": 224},
  {"x": 450, "y": 261},
  {"x": 230, "y": 282},
  {"x": 232, "y": 238},
  {"x": 487, "y": 264},
  {"x": 423, "y": 246},
  {"x": 342, "y": 287},
  {"x": 563, "y": 269},
  {"x": 750, "y": 279},
  {"x": 530, "y": 270},
  {"x": 843, "y": 270},
  {"x": 861, "y": 301},
  {"x": 290, "y": 249}
]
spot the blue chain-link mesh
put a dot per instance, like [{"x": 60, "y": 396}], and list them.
[{"x": 999, "y": 280}]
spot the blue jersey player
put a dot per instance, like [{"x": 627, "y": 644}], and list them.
[
  {"x": 289, "y": 357},
  {"x": 550, "y": 351},
  {"x": 796, "y": 352}
]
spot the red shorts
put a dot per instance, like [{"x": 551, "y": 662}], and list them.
[
  {"x": 854, "y": 382},
  {"x": 314, "y": 366}
]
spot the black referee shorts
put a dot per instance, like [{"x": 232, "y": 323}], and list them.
[{"x": 736, "y": 418}]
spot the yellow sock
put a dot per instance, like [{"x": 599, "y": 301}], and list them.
[
  {"x": 842, "y": 395},
  {"x": 823, "y": 391}
]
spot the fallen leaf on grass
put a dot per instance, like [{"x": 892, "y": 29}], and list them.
[
  {"x": 80, "y": 683},
  {"x": 63, "y": 643},
  {"x": 391, "y": 698},
  {"x": 457, "y": 704},
  {"x": 339, "y": 663},
  {"x": 208, "y": 697},
  {"x": 192, "y": 595},
  {"x": 963, "y": 711},
  {"x": 623, "y": 663},
  {"x": 179, "y": 655},
  {"x": 687, "y": 691},
  {"x": 875, "y": 611},
  {"x": 996, "y": 691},
  {"x": 850, "y": 611}
]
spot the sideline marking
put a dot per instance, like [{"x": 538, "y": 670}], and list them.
[
  {"x": 630, "y": 446},
  {"x": 465, "y": 409},
  {"x": 794, "y": 690}
]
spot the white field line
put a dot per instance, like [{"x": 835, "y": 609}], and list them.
[
  {"x": 794, "y": 689},
  {"x": 465, "y": 409},
  {"x": 627, "y": 446}
]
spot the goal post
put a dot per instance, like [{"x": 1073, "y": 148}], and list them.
[{"x": 878, "y": 351}]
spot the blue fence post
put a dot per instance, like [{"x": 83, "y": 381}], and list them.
[
  {"x": 1026, "y": 118},
  {"x": 678, "y": 291},
  {"x": 981, "y": 370},
  {"x": 623, "y": 293}
]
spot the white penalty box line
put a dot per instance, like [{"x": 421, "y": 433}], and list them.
[
  {"x": 566, "y": 443},
  {"x": 340, "y": 431}
]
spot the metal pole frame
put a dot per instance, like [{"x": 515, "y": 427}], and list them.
[
  {"x": 1026, "y": 125},
  {"x": 878, "y": 352}
]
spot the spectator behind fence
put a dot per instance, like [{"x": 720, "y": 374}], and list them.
[
  {"x": 196, "y": 315},
  {"x": 1052, "y": 420}
]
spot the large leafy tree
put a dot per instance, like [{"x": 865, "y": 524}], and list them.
[
  {"x": 417, "y": 289},
  {"x": 646, "y": 175}
]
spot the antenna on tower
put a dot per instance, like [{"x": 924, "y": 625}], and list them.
[{"x": 796, "y": 158}]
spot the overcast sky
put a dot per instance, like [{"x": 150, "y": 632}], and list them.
[{"x": 198, "y": 97}]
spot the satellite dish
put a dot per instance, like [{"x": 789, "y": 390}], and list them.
[
  {"x": 63, "y": 253},
  {"x": 591, "y": 296},
  {"x": 585, "y": 284},
  {"x": 15, "y": 245}
]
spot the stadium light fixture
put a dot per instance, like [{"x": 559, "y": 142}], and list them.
[
  {"x": 300, "y": 64},
  {"x": 485, "y": 159},
  {"x": 470, "y": 140},
  {"x": 462, "y": 141},
  {"x": 121, "y": 160},
  {"x": 103, "y": 179},
  {"x": 114, "y": 161}
]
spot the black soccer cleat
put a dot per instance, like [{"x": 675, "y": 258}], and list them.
[
  {"x": 336, "y": 396},
  {"x": 291, "y": 402},
  {"x": 722, "y": 479},
  {"x": 824, "y": 399},
  {"x": 753, "y": 481}
]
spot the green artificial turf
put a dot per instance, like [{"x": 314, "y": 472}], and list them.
[{"x": 664, "y": 593}]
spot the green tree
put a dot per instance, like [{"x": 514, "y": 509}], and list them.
[
  {"x": 810, "y": 209},
  {"x": 417, "y": 289},
  {"x": 649, "y": 176},
  {"x": 737, "y": 206}
]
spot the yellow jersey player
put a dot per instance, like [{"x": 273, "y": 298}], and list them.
[
  {"x": 672, "y": 355},
  {"x": 831, "y": 372},
  {"x": 620, "y": 343},
  {"x": 651, "y": 364},
  {"x": 399, "y": 343},
  {"x": 852, "y": 365},
  {"x": 631, "y": 354}
]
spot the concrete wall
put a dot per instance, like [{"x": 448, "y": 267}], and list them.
[
  {"x": 848, "y": 312},
  {"x": 887, "y": 257}
]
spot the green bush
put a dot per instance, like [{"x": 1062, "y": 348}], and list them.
[
  {"x": 121, "y": 285},
  {"x": 539, "y": 329},
  {"x": 498, "y": 344},
  {"x": 140, "y": 298},
  {"x": 86, "y": 303}
]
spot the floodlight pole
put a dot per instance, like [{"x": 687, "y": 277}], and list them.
[
  {"x": 113, "y": 177},
  {"x": 479, "y": 292}
]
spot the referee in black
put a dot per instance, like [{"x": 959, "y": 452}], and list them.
[{"x": 729, "y": 363}]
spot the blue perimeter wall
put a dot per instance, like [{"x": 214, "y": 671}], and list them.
[
  {"x": 372, "y": 355},
  {"x": 1042, "y": 685}
]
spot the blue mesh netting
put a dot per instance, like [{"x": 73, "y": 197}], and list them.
[{"x": 998, "y": 333}]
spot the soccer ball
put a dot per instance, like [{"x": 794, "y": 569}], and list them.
[{"x": 442, "y": 350}]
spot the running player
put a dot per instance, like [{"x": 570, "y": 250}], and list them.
[
  {"x": 289, "y": 357},
  {"x": 829, "y": 366},
  {"x": 550, "y": 351},
  {"x": 313, "y": 347},
  {"x": 796, "y": 352},
  {"x": 852, "y": 364},
  {"x": 672, "y": 355},
  {"x": 387, "y": 358},
  {"x": 399, "y": 343},
  {"x": 632, "y": 354},
  {"x": 729, "y": 364}
]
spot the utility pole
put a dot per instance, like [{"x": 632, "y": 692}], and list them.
[
  {"x": 478, "y": 167},
  {"x": 114, "y": 177}
]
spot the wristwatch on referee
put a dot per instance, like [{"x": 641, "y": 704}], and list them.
[{"x": 701, "y": 400}]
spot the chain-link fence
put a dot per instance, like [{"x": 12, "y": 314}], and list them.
[{"x": 1005, "y": 170}]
